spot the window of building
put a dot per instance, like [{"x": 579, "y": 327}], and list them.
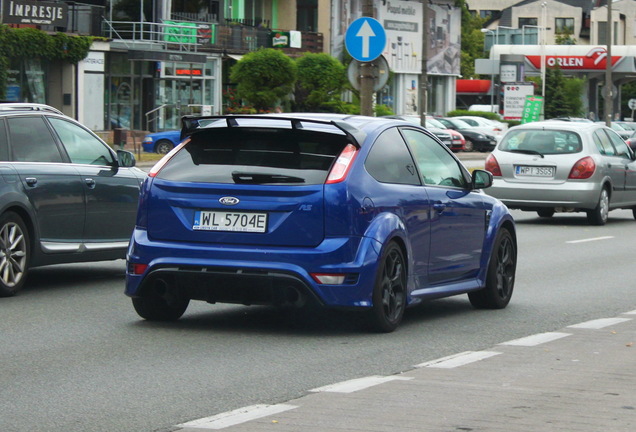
[
  {"x": 527, "y": 22},
  {"x": 564, "y": 25}
]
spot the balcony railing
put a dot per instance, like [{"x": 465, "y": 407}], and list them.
[{"x": 205, "y": 37}]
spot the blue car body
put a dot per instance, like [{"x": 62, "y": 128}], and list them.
[
  {"x": 321, "y": 241},
  {"x": 152, "y": 142}
]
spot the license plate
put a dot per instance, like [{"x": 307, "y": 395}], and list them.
[
  {"x": 206, "y": 220},
  {"x": 534, "y": 171}
]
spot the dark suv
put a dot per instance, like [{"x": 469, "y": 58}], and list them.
[{"x": 65, "y": 195}]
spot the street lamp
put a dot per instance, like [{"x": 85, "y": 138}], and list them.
[
  {"x": 492, "y": 74},
  {"x": 544, "y": 19}
]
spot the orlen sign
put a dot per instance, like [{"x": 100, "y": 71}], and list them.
[{"x": 595, "y": 59}]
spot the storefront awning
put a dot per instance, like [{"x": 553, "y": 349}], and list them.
[{"x": 169, "y": 56}]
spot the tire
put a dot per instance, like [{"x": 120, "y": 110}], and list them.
[
  {"x": 599, "y": 215},
  {"x": 389, "y": 291},
  {"x": 165, "y": 307},
  {"x": 15, "y": 254},
  {"x": 163, "y": 146},
  {"x": 469, "y": 146},
  {"x": 500, "y": 279},
  {"x": 546, "y": 213}
]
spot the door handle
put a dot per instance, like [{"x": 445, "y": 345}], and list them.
[
  {"x": 90, "y": 183},
  {"x": 439, "y": 207},
  {"x": 31, "y": 181}
]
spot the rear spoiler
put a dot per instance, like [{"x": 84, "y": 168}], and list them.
[{"x": 189, "y": 124}]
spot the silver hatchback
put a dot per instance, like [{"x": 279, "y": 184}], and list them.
[{"x": 554, "y": 166}]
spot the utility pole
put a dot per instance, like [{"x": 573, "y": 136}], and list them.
[
  {"x": 423, "y": 96},
  {"x": 366, "y": 71},
  {"x": 608, "y": 94}
]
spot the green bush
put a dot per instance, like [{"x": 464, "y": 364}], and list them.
[
  {"x": 321, "y": 81},
  {"x": 264, "y": 78}
]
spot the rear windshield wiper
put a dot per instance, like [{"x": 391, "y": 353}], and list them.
[
  {"x": 531, "y": 152},
  {"x": 258, "y": 178}
]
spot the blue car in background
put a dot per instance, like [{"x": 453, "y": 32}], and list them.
[
  {"x": 339, "y": 211},
  {"x": 161, "y": 142}
]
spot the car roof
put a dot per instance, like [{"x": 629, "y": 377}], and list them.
[
  {"x": 558, "y": 124},
  {"x": 27, "y": 106}
]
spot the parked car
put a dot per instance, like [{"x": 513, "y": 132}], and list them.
[
  {"x": 631, "y": 141},
  {"x": 339, "y": 211},
  {"x": 624, "y": 132},
  {"x": 475, "y": 140},
  {"x": 573, "y": 119},
  {"x": 66, "y": 195},
  {"x": 555, "y": 166},
  {"x": 486, "y": 126},
  {"x": 161, "y": 142},
  {"x": 452, "y": 139}
]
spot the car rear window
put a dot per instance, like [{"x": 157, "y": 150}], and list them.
[
  {"x": 255, "y": 156},
  {"x": 541, "y": 141}
]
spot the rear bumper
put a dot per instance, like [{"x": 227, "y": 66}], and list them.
[
  {"x": 255, "y": 275},
  {"x": 530, "y": 196}
]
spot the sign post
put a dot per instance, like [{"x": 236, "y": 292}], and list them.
[
  {"x": 532, "y": 109},
  {"x": 365, "y": 40},
  {"x": 632, "y": 106}
]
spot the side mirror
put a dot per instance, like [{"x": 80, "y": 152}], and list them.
[
  {"x": 482, "y": 179},
  {"x": 126, "y": 159}
]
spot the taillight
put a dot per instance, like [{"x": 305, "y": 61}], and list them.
[
  {"x": 493, "y": 166},
  {"x": 582, "y": 169},
  {"x": 164, "y": 160},
  {"x": 340, "y": 169}
]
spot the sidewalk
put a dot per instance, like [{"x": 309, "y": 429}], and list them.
[{"x": 579, "y": 379}]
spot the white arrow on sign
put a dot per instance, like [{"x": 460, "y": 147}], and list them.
[{"x": 365, "y": 33}]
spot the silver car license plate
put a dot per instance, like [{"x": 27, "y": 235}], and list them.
[
  {"x": 534, "y": 171},
  {"x": 207, "y": 220}
]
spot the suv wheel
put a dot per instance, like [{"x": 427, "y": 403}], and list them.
[
  {"x": 389, "y": 292},
  {"x": 14, "y": 254}
]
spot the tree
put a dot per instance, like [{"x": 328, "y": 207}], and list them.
[
  {"x": 321, "y": 81},
  {"x": 556, "y": 104},
  {"x": 264, "y": 78},
  {"x": 472, "y": 41}
]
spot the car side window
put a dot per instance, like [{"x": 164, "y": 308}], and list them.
[
  {"x": 606, "y": 144},
  {"x": 4, "y": 143},
  {"x": 81, "y": 146},
  {"x": 32, "y": 141},
  {"x": 619, "y": 144},
  {"x": 436, "y": 165},
  {"x": 389, "y": 161}
]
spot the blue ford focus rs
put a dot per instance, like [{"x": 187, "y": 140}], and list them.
[{"x": 333, "y": 210}]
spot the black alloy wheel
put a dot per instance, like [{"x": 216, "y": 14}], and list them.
[
  {"x": 500, "y": 279},
  {"x": 389, "y": 293}
]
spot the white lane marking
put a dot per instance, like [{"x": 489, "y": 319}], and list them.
[
  {"x": 457, "y": 360},
  {"x": 599, "y": 323},
  {"x": 237, "y": 416},
  {"x": 590, "y": 239},
  {"x": 358, "y": 384},
  {"x": 536, "y": 339},
  {"x": 630, "y": 313}
]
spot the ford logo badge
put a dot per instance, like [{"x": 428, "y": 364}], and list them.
[{"x": 229, "y": 200}]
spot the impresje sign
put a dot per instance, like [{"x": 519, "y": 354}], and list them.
[{"x": 34, "y": 12}]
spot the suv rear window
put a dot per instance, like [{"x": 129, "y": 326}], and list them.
[
  {"x": 255, "y": 156},
  {"x": 542, "y": 141}
]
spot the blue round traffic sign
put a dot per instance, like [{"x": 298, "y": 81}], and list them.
[{"x": 365, "y": 39}]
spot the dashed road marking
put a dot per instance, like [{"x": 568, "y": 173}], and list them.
[
  {"x": 358, "y": 384},
  {"x": 536, "y": 339},
  {"x": 457, "y": 360},
  {"x": 237, "y": 416},
  {"x": 590, "y": 239},
  {"x": 599, "y": 323}
]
